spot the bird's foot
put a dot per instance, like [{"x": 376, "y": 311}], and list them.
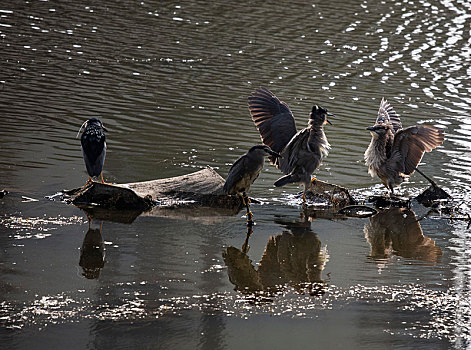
[
  {"x": 313, "y": 179},
  {"x": 89, "y": 181},
  {"x": 103, "y": 180}
]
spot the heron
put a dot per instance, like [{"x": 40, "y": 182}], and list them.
[
  {"x": 93, "y": 142},
  {"x": 244, "y": 172},
  {"x": 301, "y": 152},
  {"x": 394, "y": 153}
]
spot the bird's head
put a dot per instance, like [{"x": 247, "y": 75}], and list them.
[
  {"x": 92, "y": 121},
  {"x": 265, "y": 149},
  {"x": 379, "y": 129},
  {"x": 318, "y": 115}
]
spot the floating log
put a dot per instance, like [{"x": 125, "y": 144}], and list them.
[
  {"x": 191, "y": 194},
  {"x": 201, "y": 188},
  {"x": 321, "y": 192}
]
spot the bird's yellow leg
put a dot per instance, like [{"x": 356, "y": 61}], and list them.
[
  {"x": 88, "y": 182},
  {"x": 246, "y": 200},
  {"x": 304, "y": 197},
  {"x": 103, "y": 181}
]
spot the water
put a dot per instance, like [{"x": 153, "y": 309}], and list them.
[{"x": 170, "y": 82}]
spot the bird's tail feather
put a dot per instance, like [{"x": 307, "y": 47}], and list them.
[{"x": 285, "y": 180}]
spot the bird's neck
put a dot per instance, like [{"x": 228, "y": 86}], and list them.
[{"x": 317, "y": 141}]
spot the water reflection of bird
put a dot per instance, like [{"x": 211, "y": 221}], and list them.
[
  {"x": 397, "y": 231},
  {"x": 293, "y": 258},
  {"x": 301, "y": 152},
  {"x": 245, "y": 171},
  {"x": 93, "y": 142},
  {"x": 92, "y": 257},
  {"x": 394, "y": 153}
]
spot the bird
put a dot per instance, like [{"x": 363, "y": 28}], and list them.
[
  {"x": 244, "y": 172},
  {"x": 301, "y": 152},
  {"x": 93, "y": 142},
  {"x": 394, "y": 153}
]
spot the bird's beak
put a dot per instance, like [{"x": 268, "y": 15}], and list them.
[
  {"x": 327, "y": 121},
  {"x": 274, "y": 154},
  {"x": 83, "y": 125},
  {"x": 371, "y": 128}
]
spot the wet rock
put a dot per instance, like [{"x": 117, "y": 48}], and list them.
[{"x": 432, "y": 196}]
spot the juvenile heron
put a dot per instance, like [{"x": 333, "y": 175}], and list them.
[
  {"x": 301, "y": 152},
  {"x": 93, "y": 142},
  {"x": 394, "y": 153},
  {"x": 245, "y": 171}
]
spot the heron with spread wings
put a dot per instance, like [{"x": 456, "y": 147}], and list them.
[
  {"x": 301, "y": 152},
  {"x": 394, "y": 153}
]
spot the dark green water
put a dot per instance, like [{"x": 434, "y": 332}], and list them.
[{"x": 170, "y": 81}]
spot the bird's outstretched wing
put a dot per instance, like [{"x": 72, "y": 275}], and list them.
[
  {"x": 387, "y": 115},
  {"x": 273, "y": 119},
  {"x": 411, "y": 143},
  {"x": 236, "y": 172}
]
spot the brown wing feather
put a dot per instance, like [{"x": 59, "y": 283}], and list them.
[
  {"x": 273, "y": 119},
  {"x": 411, "y": 143},
  {"x": 387, "y": 115}
]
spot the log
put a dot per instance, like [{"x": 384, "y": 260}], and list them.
[
  {"x": 330, "y": 195},
  {"x": 201, "y": 188},
  {"x": 192, "y": 194}
]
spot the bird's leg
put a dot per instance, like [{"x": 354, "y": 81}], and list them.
[
  {"x": 89, "y": 181},
  {"x": 426, "y": 177},
  {"x": 392, "y": 196},
  {"x": 245, "y": 246},
  {"x": 246, "y": 201}
]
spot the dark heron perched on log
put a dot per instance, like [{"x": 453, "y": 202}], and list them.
[
  {"x": 93, "y": 147},
  {"x": 301, "y": 152},
  {"x": 394, "y": 153},
  {"x": 245, "y": 171}
]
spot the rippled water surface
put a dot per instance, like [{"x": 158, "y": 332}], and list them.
[{"x": 170, "y": 81}]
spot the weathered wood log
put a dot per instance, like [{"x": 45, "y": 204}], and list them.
[
  {"x": 201, "y": 188},
  {"x": 191, "y": 194},
  {"x": 331, "y": 195}
]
